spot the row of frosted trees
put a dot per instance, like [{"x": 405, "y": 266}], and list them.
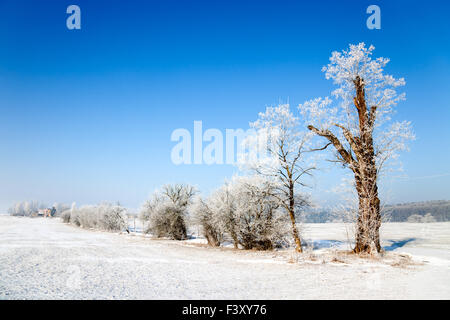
[
  {"x": 29, "y": 208},
  {"x": 104, "y": 216},
  {"x": 242, "y": 211},
  {"x": 352, "y": 127},
  {"x": 354, "y": 123}
]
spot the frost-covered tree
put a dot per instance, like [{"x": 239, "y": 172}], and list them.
[
  {"x": 245, "y": 210},
  {"x": 16, "y": 209},
  {"x": 112, "y": 217},
  {"x": 86, "y": 217},
  {"x": 358, "y": 127},
  {"x": 166, "y": 211},
  {"x": 65, "y": 216},
  {"x": 28, "y": 208},
  {"x": 258, "y": 221},
  {"x": 222, "y": 203},
  {"x": 277, "y": 150},
  {"x": 205, "y": 214},
  {"x": 105, "y": 216},
  {"x": 68, "y": 213},
  {"x": 25, "y": 208}
]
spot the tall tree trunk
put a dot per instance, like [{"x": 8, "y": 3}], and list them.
[
  {"x": 298, "y": 243},
  {"x": 369, "y": 221},
  {"x": 234, "y": 237},
  {"x": 366, "y": 174},
  {"x": 369, "y": 217},
  {"x": 364, "y": 168}
]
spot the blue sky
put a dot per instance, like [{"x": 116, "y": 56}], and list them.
[{"x": 86, "y": 115}]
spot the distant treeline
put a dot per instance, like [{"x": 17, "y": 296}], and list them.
[
  {"x": 439, "y": 210},
  {"x": 426, "y": 211}
]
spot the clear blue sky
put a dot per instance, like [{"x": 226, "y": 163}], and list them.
[{"x": 86, "y": 115}]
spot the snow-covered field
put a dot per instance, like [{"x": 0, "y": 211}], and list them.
[{"x": 46, "y": 259}]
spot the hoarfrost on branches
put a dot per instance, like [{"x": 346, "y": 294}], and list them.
[
  {"x": 357, "y": 126},
  {"x": 166, "y": 211},
  {"x": 381, "y": 96},
  {"x": 276, "y": 151},
  {"x": 245, "y": 211}
]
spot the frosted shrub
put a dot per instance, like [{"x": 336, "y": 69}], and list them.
[
  {"x": 65, "y": 216},
  {"x": 259, "y": 221},
  {"x": 421, "y": 219},
  {"x": 209, "y": 220},
  {"x": 104, "y": 216},
  {"x": 244, "y": 210},
  {"x": 428, "y": 218},
  {"x": 166, "y": 212},
  {"x": 168, "y": 221},
  {"x": 74, "y": 218},
  {"x": 111, "y": 217},
  {"x": 86, "y": 217}
]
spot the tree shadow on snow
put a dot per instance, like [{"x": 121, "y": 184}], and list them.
[
  {"x": 397, "y": 244},
  {"x": 321, "y": 244}
]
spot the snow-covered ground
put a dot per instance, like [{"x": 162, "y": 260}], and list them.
[{"x": 46, "y": 259}]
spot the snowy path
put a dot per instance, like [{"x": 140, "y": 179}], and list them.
[{"x": 46, "y": 259}]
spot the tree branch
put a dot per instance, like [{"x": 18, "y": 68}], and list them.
[{"x": 346, "y": 156}]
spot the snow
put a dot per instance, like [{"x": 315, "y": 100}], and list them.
[{"x": 46, "y": 259}]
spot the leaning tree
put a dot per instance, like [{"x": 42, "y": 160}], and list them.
[{"x": 357, "y": 126}]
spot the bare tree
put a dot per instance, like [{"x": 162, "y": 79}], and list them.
[
  {"x": 223, "y": 203},
  {"x": 167, "y": 210},
  {"x": 26, "y": 208},
  {"x": 245, "y": 210},
  {"x": 209, "y": 219},
  {"x": 276, "y": 150},
  {"x": 356, "y": 127},
  {"x": 104, "y": 216},
  {"x": 259, "y": 224}
]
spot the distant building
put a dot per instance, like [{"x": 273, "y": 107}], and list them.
[{"x": 44, "y": 212}]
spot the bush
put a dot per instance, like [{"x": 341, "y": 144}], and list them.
[
  {"x": 65, "y": 216},
  {"x": 166, "y": 212},
  {"x": 167, "y": 220},
  {"x": 104, "y": 216},
  {"x": 111, "y": 217},
  {"x": 246, "y": 211},
  {"x": 417, "y": 218},
  {"x": 260, "y": 223},
  {"x": 428, "y": 218},
  {"x": 209, "y": 220},
  {"x": 86, "y": 217}
]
